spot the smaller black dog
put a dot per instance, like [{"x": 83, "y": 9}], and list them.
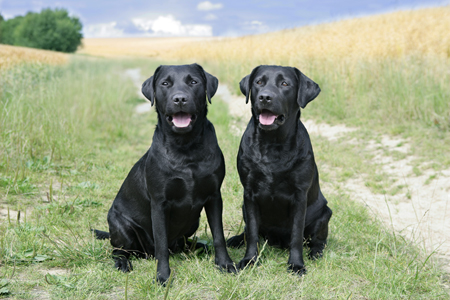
[
  {"x": 159, "y": 204},
  {"x": 282, "y": 198}
]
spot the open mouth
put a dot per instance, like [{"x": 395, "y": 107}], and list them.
[
  {"x": 268, "y": 118},
  {"x": 181, "y": 119}
]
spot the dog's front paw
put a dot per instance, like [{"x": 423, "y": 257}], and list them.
[
  {"x": 163, "y": 279},
  {"x": 246, "y": 262},
  {"x": 300, "y": 270},
  {"x": 229, "y": 267}
]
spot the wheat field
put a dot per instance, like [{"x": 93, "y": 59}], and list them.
[
  {"x": 13, "y": 55},
  {"x": 396, "y": 34},
  {"x": 143, "y": 47}
]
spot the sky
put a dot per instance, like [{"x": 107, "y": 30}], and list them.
[{"x": 156, "y": 18}]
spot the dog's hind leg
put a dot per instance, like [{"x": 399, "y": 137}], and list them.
[
  {"x": 318, "y": 233},
  {"x": 127, "y": 238},
  {"x": 236, "y": 241}
]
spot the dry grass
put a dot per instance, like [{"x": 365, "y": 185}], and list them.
[
  {"x": 422, "y": 32},
  {"x": 13, "y": 55},
  {"x": 145, "y": 47}
]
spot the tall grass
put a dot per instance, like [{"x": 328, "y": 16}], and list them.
[
  {"x": 389, "y": 71},
  {"x": 13, "y": 55},
  {"x": 49, "y": 111},
  {"x": 386, "y": 70}
]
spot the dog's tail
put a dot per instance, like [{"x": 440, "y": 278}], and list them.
[{"x": 100, "y": 235}]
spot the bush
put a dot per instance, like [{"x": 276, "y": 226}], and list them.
[{"x": 49, "y": 29}]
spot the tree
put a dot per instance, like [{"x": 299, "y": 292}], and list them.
[
  {"x": 49, "y": 29},
  {"x": 7, "y": 29}
]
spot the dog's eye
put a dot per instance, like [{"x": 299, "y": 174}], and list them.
[
  {"x": 165, "y": 83},
  {"x": 284, "y": 83},
  {"x": 193, "y": 82},
  {"x": 259, "y": 82}
]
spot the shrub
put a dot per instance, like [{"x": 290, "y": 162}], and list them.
[{"x": 49, "y": 29}]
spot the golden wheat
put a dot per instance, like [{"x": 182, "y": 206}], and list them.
[
  {"x": 145, "y": 47},
  {"x": 423, "y": 32},
  {"x": 13, "y": 55}
]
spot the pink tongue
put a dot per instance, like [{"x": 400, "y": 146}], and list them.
[
  {"x": 181, "y": 119},
  {"x": 267, "y": 118}
]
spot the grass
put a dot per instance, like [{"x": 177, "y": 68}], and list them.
[
  {"x": 386, "y": 73},
  {"x": 13, "y": 55},
  {"x": 69, "y": 137}
]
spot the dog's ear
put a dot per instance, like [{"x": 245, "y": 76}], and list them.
[
  {"x": 243, "y": 85},
  {"x": 246, "y": 84},
  {"x": 148, "y": 87},
  {"x": 212, "y": 83},
  {"x": 307, "y": 89}
]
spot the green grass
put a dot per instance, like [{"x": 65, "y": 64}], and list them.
[
  {"x": 405, "y": 97},
  {"x": 69, "y": 137}
]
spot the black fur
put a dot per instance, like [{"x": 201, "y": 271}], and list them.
[
  {"x": 282, "y": 198},
  {"x": 159, "y": 204}
]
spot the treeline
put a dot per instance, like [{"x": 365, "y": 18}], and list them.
[{"x": 49, "y": 29}]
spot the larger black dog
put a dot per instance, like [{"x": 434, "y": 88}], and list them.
[
  {"x": 282, "y": 198},
  {"x": 159, "y": 204}
]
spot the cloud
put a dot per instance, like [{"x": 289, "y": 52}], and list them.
[
  {"x": 210, "y": 17},
  {"x": 206, "y": 5},
  {"x": 256, "y": 23},
  {"x": 255, "y": 27},
  {"x": 103, "y": 30},
  {"x": 169, "y": 26}
]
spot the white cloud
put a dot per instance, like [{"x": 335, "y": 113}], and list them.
[
  {"x": 255, "y": 27},
  {"x": 169, "y": 26},
  {"x": 103, "y": 30},
  {"x": 206, "y": 5},
  {"x": 210, "y": 17},
  {"x": 256, "y": 23}
]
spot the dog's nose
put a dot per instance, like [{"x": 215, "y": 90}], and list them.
[
  {"x": 179, "y": 98},
  {"x": 265, "y": 97}
]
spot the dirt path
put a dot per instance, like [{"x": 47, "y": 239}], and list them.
[
  {"x": 137, "y": 78},
  {"x": 421, "y": 213}
]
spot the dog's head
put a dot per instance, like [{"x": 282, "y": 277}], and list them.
[
  {"x": 180, "y": 93},
  {"x": 276, "y": 94}
]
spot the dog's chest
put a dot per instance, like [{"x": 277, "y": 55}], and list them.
[
  {"x": 190, "y": 185},
  {"x": 274, "y": 177},
  {"x": 186, "y": 183}
]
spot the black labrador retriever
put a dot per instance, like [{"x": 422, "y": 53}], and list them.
[
  {"x": 159, "y": 204},
  {"x": 282, "y": 198}
]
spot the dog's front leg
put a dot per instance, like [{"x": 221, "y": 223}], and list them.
[
  {"x": 251, "y": 231},
  {"x": 295, "y": 262},
  {"x": 213, "y": 209},
  {"x": 161, "y": 243}
]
